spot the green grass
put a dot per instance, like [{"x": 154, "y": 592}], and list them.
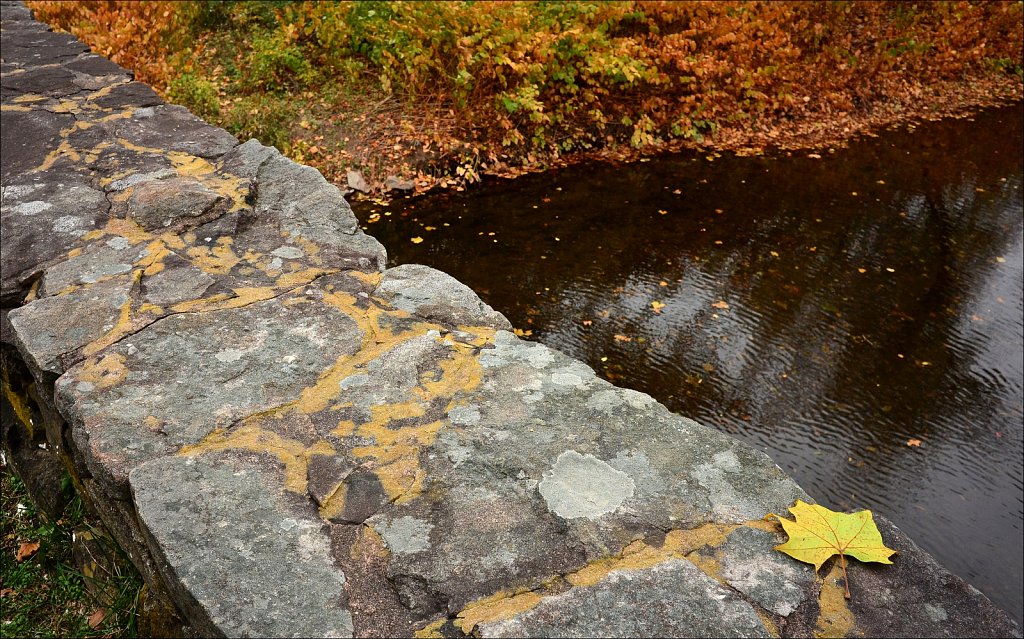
[{"x": 45, "y": 595}]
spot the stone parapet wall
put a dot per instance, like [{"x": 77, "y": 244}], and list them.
[{"x": 290, "y": 439}]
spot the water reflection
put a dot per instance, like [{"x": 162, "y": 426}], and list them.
[{"x": 828, "y": 311}]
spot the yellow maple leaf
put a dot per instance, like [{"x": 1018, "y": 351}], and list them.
[{"x": 818, "y": 533}]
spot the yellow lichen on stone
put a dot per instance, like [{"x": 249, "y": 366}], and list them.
[
  {"x": 290, "y": 452},
  {"x": 29, "y": 97},
  {"x": 122, "y": 327},
  {"x": 369, "y": 545},
  {"x": 63, "y": 149},
  {"x": 497, "y": 607},
  {"x": 231, "y": 187},
  {"x": 334, "y": 504},
  {"x": 103, "y": 372},
  {"x": 431, "y": 630},
  {"x": 396, "y": 453},
  {"x": 768, "y": 622},
  {"x": 635, "y": 557},
  {"x": 708, "y": 565},
  {"x": 344, "y": 428},
  {"x": 19, "y": 404},
  {"x": 216, "y": 260},
  {"x": 683, "y": 542},
  {"x": 835, "y": 619},
  {"x": 152, "y": 262},
  {"x": 305, "y": 276},
  {"x": 16, "y": 107},
  {"x": 243, "y": 296}
]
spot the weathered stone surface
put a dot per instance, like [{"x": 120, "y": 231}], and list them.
[
  {"x": 161, "y": 203},
  {"x": 771, "y": 579},
  {"x": 672, "y": 599},
  {"x": 43, "y": 217},
  {"x": 170, "y": 127},
  {"x": 98, "y": 262},
  {"x": 437, "y": 296},
  {"x": 52, "y": 329},
  {"x": 252, "y": 563},
  {"x": 176, "y": 381},
  {"x": 915, "y": 597},
  {"x": 27, "y": 138},
  {"x": 289, "y": 439}
]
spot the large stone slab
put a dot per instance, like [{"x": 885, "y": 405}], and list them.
[
  {"x": 292, "y": 440},
  {"x": 675, "y": 597},
  {"x": 249, "y": 561}
]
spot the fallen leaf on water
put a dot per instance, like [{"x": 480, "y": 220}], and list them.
[
  {"x": 657, "y": 306},
  {"x": 1000, "y": 259},
  {"x": 819, "y": 533},
  {"x": 588, "y": 322},
  {"x": 26, "y": 550},
  {"x": 862, "y": 270},
  {"x": 774, "y": 254},
  {"x": 622, "y": 338},
  {"x": 416, "y": 240},
  {"x": 663, "y": 211},
  {"x": 914, "y": 442},
  {"x": 722, "y": 304},
  {"x": 96, "y": 618},
  {"x": 521, "y": 333},
  {"x": 814, "y": 156},
  {"x": 677, "y": 192},
  {"x": 662, "y": 283}
]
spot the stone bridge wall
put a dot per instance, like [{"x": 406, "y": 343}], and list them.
[{"x": 290, "y": 439}]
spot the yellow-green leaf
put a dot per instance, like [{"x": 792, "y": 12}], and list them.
[{"x": 819, "y": 533}]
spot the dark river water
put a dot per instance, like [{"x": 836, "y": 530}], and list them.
[{"x": 858, "y": 316}]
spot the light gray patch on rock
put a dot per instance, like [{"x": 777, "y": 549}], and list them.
[
  {"x": 354, "y": 381},
  {"x": 433, "y": 295},
  {"x": 772, "y": 580},
  {"x": 464, "y": 415},
  {"x": 671, "y": 599},
  {"x": 288, "y": 252},
  {"x": 139, "y": 178},
  {"x": 584, "y": 486},
  {"x": 118, "y": 243},
  {"x": 250, "y": 564},
  {"x": 936, "y": 613},
  {"x": 32, "y": 208},
  {"x": 70, "y": 225},
  {"x": 98, "y": 262},
  {"x": 404, "y": 535},
  {"x": 510, "y": 349}
]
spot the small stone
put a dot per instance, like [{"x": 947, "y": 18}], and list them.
[{"x": 356, "y": 181}]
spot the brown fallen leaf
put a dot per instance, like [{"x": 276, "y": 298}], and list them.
[
  {"x": 97, "y": 617},
  {"x": 26, "y": 550},
  {"x": 588, "y": 322},
  {"x": 914, "y": 442},
  {"x": 6, "y": 591},
  {"x": 722, "y": 304},
  {"x": 622, "y": 338}
]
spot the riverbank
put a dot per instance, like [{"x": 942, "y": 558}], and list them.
[{"x": 408, "y": 97}]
